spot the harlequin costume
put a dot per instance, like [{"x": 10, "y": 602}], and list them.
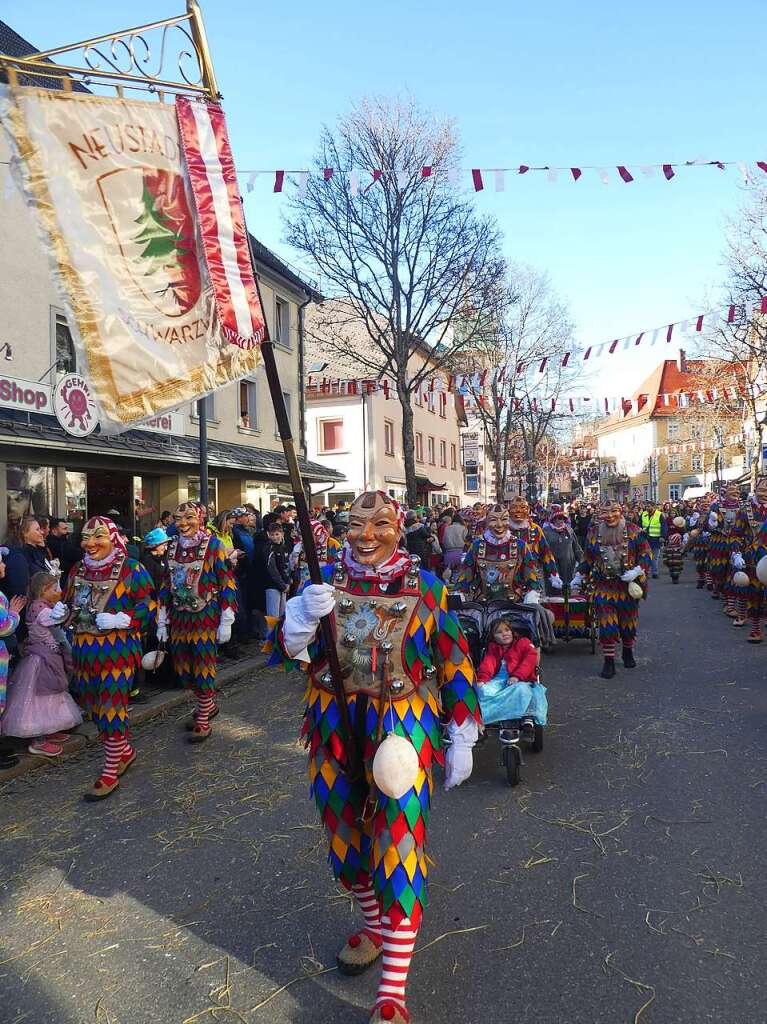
[
  {"x": 405, "y": 667},
  {"x": 111, "y": 597},
  {"x": 743, "y": 534},
  {"x": 717, "y": 550},
  {"x": 673, "y": 549},
  {"x": 198, "y": 600},
  {"x": 498, "y": 564},
  {"x": 328, "y": 549},
  {"x": 697, "y": 543},
  {"x": 616, "y": 556}
]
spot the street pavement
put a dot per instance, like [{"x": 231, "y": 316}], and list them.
[{"x": 622, "y": 881}]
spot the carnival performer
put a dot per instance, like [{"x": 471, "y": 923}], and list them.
[
  {"x": 748, "y": 522},
  {"x": 197, "y": 605},
  {"x": 498, "y": 564},
  {"x": 111, "y": 597},
  {"x": 530, "y": 534},
  {"x": 405, "y": 663},
  {"x": 757, "y": 598},
  {"x": 563, "y": 544},
  {"x": 673, "y": 548},
  {"x": 616, "y": 563},
  {"x": 697, "y": 539},
  {"x": 327, "y": 547},
  {"x": 717, "y": 551}
]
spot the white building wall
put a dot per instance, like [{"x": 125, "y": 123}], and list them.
[
  {"x": 630, "y": 447},
  {"x": 350, "y": 461}
]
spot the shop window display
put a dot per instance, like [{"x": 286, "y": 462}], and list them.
[{"x": 30, "y": 491}]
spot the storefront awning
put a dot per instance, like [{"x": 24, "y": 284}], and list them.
[
  {"x": 423, "y": 483},
  {"x": 44, "y": 435}
]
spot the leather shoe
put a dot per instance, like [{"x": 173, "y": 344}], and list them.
[{"x": 608, "y": 669}]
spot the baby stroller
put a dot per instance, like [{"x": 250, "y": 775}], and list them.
[{"x": 477, "y": 622}]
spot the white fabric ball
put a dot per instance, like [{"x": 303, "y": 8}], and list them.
[
  {"x": 152, "y": 660},
  {"x": 395, "y": 766},
  {"x": 679, "y": 521},
  {"x": 740, "y": 579},
  {"x": 761, "y": 570},
  {"x": 635, "y": 590}
]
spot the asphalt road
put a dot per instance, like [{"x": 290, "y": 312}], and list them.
[{"x": 627, "y": 870}]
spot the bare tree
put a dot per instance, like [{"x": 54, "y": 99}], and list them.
[
  {"x": 743, "y": 343},
  {"x": 515, "y": 378},
  {"x": 404, "y": 251}
]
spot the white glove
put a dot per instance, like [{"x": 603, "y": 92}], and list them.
[
  {"x": 302, "y": 618},
  {"x": 713, "y": 519},
  {"x": 458, "y": 757},
  {"x": 59, "y": 612},
  {"x": 631, "y": 574},
  {"x": 738, "y": 561},
  {"x": 556, "y": 581},
  {"x": 224, "y": 631},
  {"x": 532, "y": 597},
  {"x": 318, "y": 600},
  {"x": 576, "y": 582},
  {"x": 105, "y": 620},
  {"x": 162, "y": 633}
]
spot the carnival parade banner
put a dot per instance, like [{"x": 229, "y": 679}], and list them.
[{"x": 108, "y": 183}]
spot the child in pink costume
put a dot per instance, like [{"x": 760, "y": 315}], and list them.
[{"x": 39, "y": 705}]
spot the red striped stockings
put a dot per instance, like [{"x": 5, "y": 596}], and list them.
[
  {"x": 367, "y": 901},
  {"x": 203, "y": 710},
  {"x": 397, "y": 953},
  {"x": 115, "y": 748}
]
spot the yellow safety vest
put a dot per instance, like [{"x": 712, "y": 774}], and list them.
[{"x": 652, "y": 523}]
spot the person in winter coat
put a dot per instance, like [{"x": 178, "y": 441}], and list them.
[
  {"x": 418, "y": 538},
  {"x": 507, "y": 684},
  {"x": 563, "y": 542},
  {"x": 515, "y": 653},
  {"x": 276, "y": 570}
]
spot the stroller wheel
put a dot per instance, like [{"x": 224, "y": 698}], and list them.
[
  {"x": 537, "y": 744},
  {"x": 511, "y": 762}
]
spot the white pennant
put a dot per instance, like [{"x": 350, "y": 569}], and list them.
[
  {"x": 452, "y": 177},
  {"x": 654, "y": 336},
  {"x": 749, "y": 310},
  {"x": 744, "y": 172},
  {"x": 552, "y": 174},
  {"x": 354, "y": 183},
  {"x": 604, "y": 177},
  {"x": 251, "y": 180},
  {"x": 500, "y": 181},
  {"x": 303, "y": 179},
  {"x": 684, "y": 326},
  {"x": 648, "y": 171},
  {"x": 402, "y": 179}
]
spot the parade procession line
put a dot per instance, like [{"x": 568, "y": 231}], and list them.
[
  {"x": 620, "y": 881},
  {"x": 157, "y": 703}
]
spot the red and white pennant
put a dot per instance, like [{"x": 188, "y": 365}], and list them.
[{"x": 213, "y": 179}]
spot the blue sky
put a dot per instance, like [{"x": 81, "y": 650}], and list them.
[{"x": 552, "y": 83}]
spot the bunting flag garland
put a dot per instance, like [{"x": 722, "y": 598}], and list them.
[
  {"x": 569, "y": 403},
  {"x": 617, "y": 172}
]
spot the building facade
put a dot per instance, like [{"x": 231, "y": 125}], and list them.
[
  {"x": 43, "y": 470},
  {"x": 662, "y": 448},
  {"x": 360, "y": 435}
]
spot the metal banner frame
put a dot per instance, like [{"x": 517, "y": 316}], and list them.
[{"x": 126, "y": 60}]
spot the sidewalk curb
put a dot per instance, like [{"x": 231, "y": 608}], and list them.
[{"x": 86, "y": 735}]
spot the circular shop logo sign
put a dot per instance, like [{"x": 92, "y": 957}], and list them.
[{"x": 74, "y": 405}]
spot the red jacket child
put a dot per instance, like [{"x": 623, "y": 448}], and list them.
[{"x": 519, "y": 656}]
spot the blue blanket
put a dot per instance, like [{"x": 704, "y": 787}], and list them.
[{"x": 499, "y": 701}]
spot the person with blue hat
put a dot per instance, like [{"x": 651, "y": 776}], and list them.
[{"x": 152, "y": 557}]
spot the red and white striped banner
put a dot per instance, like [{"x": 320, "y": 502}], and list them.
[{"x": 208, "y": 156}]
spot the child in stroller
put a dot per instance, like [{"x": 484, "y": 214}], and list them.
[{"x": 509, "y": 691}]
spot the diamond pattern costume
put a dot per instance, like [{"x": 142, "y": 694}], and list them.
[
  {"x": 197, "y": 587},
  {"x": 106, "y": 661},
  {"x": 616, "y": 611},
  {"x": 493, "y": 570},
  {"x": 370, "y": 834}
]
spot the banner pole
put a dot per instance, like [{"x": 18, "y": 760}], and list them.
[{"x": 202, "y": 413}]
